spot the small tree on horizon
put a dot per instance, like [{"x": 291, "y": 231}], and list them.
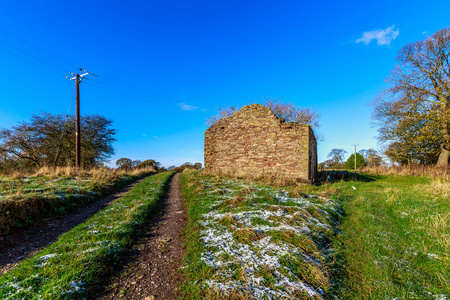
[{"x": 350, "y": 163}]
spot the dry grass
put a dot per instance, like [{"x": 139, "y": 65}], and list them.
[
  {"x": 27, "y": 197},
  {"x": 247, "y": 236},
  {"x": 53, "y": 172},
  {"x": 269, "y": 179},
  {"x": 438, "y": 227},
  {"x": 410, "y": 170},
  {"x": 437, "y": 187},
  {"x": 211, "y": 294},
  {"x": 221, "y": 295},
  {"x": 237, "y": 201}
]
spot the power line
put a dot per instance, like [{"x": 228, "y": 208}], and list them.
[
  {"x": 43, "y": 60},
  {"x": 126, "y": 90},
  {"x": 160, "y": 99},
  {"x": 128, "y": 95},
  {"x": 49, "y": 53},
  {"x": 112, "y": 88},
  {"x": 32, "y": 62},
  {"x": 141, "y": 98},
  {"x": 147, "y": 91}
]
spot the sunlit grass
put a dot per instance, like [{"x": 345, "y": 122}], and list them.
[
  {"x": 251, "y": 241},
  {"x": 68, "y": 268},
  {"x": 25, "y": 199},
  {"x": 395, "y": 239}
]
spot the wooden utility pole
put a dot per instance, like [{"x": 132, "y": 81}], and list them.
[
  {"x": 77, "y": 123},
  {"x": 77, "y": 78},
  {"x": 355, "y": 154}
]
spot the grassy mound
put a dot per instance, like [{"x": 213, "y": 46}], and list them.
[{"x": 249, "y": 241}]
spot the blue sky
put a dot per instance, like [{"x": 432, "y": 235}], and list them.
[{"x": 164, "y": 67}]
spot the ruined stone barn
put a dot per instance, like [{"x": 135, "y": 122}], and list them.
[{"x": 254, "y": 142}]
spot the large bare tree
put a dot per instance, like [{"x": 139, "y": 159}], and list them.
[
  {"x": 413, "y": 112},
  {"x": 49, "y": 140}
]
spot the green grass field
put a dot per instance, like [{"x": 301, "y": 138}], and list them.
[{"x": 394, "y": 240}]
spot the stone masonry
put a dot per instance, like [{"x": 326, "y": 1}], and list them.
[{"x": 253, "y": 142}]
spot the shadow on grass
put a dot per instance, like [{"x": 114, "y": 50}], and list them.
[{"x": 325, "y": 177}]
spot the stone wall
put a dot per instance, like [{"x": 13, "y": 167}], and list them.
[{"x": 253, "y": 142}]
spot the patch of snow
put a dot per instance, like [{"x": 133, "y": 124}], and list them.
[
  {"x": 90, "y": 250},
  {"x": 46, "y": 257},
  {"x": 43, "y": 260},
  {"x": 76, "y": 286},
  {"x": 223, "y": 252}
]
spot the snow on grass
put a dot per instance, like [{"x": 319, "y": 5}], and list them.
[
  {"x": 43, "y": 260},
  {"x": 76, "y": 286},
  {"x": 259, "y": 241},
  {"x": 67, "y": 268}
]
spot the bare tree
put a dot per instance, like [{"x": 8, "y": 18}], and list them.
[
  {"x": 287, "y": 112},
  {"x": 371, "y": 157},
  {"x": 224, "y": 112},
  {"x": 49, "y": 140},
  {"x": 413, "y": 112},
  {"x": 336, "y": 158}
]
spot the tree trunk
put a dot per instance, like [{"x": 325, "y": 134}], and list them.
[
  {"x": 443, "y": 157},
  {"x": 445, "y": 153}
]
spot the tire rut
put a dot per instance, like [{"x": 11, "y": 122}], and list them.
[{"x": 152, "y": 269}]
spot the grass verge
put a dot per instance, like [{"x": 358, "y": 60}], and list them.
[
  {"x": 24, "y": 200},
  {"x": 250, "y": 241},
  {"x": 79, "y": 259},
  {"x": 395, "y": 238}
]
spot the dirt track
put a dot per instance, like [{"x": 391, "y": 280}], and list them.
[
  {"x": 152, "y": 270},
  {"x": 27, "y": 241}
]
